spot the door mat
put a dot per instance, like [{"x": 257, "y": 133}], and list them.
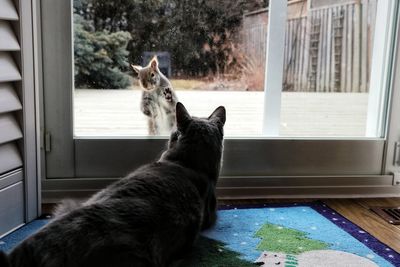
[
  {"x": 307, "y": 235},
  {"x": 290, "y": 235}
]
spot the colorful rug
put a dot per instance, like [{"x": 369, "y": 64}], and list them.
[{"x": 304, "y": 235}]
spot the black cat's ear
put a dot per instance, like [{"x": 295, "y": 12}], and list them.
[
  {"x": 154, "y": 63},
  {"x": 182, "y": 117},
  {"x": 219, "y": 114},
  {"x": 136, "y": 68}
]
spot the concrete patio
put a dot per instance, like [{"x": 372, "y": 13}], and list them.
[{"x": 117, "y": 113}]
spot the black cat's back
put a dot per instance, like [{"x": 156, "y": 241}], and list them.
[
  {"x": 155, "y": 205},
  {"x": 149, "y": 218}
]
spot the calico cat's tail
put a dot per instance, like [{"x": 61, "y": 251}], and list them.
[{"x": 4, "y": 261}]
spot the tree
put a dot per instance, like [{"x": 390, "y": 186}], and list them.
[
  {"x": 280, "y": 239},
  {"x": 182, "y": 27}
]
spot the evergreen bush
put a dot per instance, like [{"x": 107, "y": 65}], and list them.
[{"x": 100, "y": 57}]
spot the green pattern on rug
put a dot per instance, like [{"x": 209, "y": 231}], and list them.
[
  {"x": 281, "y": 239},
  {"x": 211, "y": 253}
]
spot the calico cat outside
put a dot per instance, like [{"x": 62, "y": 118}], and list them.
[
  {"x": 158, "y": 98},
  {"x": 149, "y": 218}
]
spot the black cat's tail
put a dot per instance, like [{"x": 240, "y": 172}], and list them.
[
  {"x": 66, "y": 206},
  {"x": 4, "y": 261}
]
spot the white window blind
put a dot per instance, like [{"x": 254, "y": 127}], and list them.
[
  {"x": 8, "y": 10},
  {"x": 10, "y": 75}
]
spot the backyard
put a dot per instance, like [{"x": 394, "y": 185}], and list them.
[{"x": 218, "y": 57}]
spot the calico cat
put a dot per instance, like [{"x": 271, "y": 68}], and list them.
[
  {"x": 158, "y": 98},
  {"x": 147, "y": 219}
]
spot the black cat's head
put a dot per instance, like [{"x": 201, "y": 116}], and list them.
[{"x": 197, "y": 142}]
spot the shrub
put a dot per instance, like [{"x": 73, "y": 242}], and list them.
[{"x": 100, "y": 57}]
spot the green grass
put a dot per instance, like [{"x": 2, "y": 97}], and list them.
[{"x": 186, "y": 84}]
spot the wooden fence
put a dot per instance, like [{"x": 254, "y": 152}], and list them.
[{"x": 329, "y": 50}]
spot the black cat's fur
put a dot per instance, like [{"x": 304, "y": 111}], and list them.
[{"x": 149, "y": 218}]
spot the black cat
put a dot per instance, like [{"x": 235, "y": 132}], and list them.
[{"x": 149, "y": 218}]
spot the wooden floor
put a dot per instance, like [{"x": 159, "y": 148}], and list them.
[
  {"x": 358, "y": 211},
  {"x": 117, "y": 112}
]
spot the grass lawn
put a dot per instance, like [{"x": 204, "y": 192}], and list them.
[{"x": 186, "y": 84}]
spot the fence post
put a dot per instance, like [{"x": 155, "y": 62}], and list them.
[
  {"x": 274, "y": 67},
  {"x": 356, "y": 47}
]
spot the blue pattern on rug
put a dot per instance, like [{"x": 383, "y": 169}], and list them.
[{"x": 8, "y": 242}]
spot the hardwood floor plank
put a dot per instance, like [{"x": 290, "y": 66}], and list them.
[{"x": 357, "y": 211}]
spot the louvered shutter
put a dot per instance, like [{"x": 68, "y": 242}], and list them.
[{"x": 11, "y": 160}]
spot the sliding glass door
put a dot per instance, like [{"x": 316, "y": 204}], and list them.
[{"x": 307, "y": 86}]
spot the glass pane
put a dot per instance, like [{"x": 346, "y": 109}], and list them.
[
  {"x": 327, "y": 68},
  {"x": 200, "y": 51},
  {"x": 214, "y": 53}
]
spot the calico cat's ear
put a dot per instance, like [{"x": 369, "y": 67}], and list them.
[
  {"x": 219, "y": 114},
  {"x": 154, "y": 63},
  {"x": 136, "y": 68},
  {"x": 182, "y": 116}
]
